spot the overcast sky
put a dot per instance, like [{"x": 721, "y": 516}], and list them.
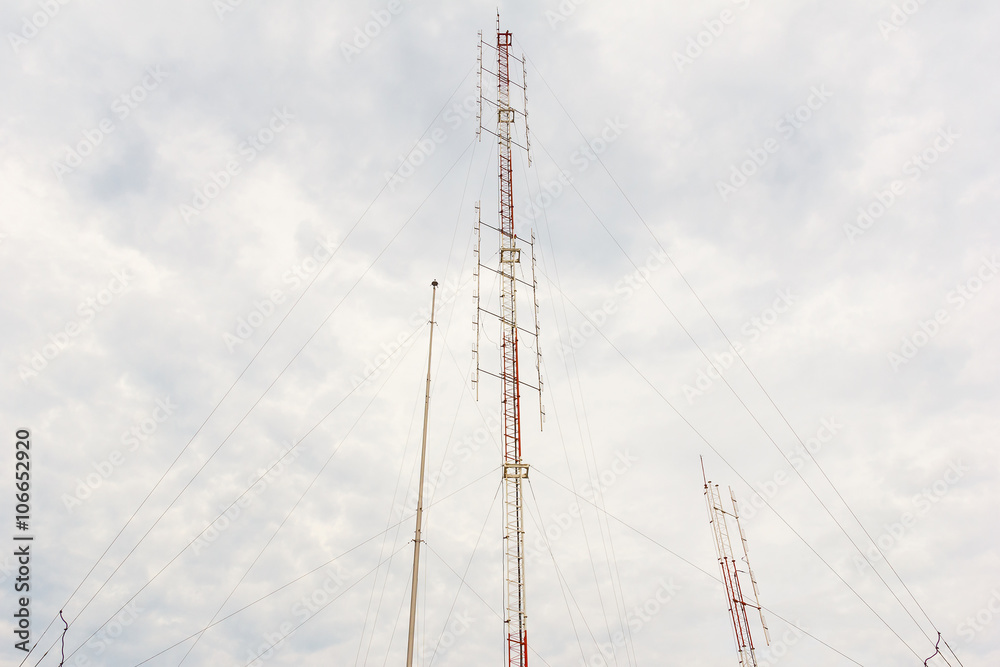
[{"x": 220, "y": 221}]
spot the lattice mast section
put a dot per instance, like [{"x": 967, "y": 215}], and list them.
[
  {"x": 515, "y": 470},
  {"x": 733, "y": 577}
]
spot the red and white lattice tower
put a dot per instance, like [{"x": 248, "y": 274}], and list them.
[
  {"x": 731, "y": 572},
  {"x": 515, "y": 470}
]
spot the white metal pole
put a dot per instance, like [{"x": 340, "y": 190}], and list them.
[{"x": 420, "y": 493}]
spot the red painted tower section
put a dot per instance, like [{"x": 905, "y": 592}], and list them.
[{"x": 514, "y": 470}]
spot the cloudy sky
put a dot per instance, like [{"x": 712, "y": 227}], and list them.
[{"x": 765, "y": 235}]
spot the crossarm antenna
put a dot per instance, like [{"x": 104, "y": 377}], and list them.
[
  {"x": 729, "y": 565},
  {"x": 527, "y": 131},
  {"x": 477, "y": 273},
  {"x": 479, "y": 93},
  {"x": 746, "y": 559},
  {"x": 538, "y": 339}
]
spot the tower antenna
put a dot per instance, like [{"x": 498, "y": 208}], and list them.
[
  {"x": 515, "y": 470},
  {"x": 728, "y": 563}
]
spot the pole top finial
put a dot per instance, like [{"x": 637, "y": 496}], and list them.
[{"x": 434, "y": 283}]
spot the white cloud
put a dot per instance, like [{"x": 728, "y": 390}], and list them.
[{"x": 681, "y": 132}]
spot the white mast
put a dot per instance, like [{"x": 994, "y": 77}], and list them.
[{"x": 420, "y": 493}]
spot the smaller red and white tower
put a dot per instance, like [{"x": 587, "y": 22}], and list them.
[{"x": 733, "y": 578}]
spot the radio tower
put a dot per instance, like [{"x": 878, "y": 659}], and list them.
[
  {"x": 729, "y": 565},
  {"x": 515, "y": 470}
]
